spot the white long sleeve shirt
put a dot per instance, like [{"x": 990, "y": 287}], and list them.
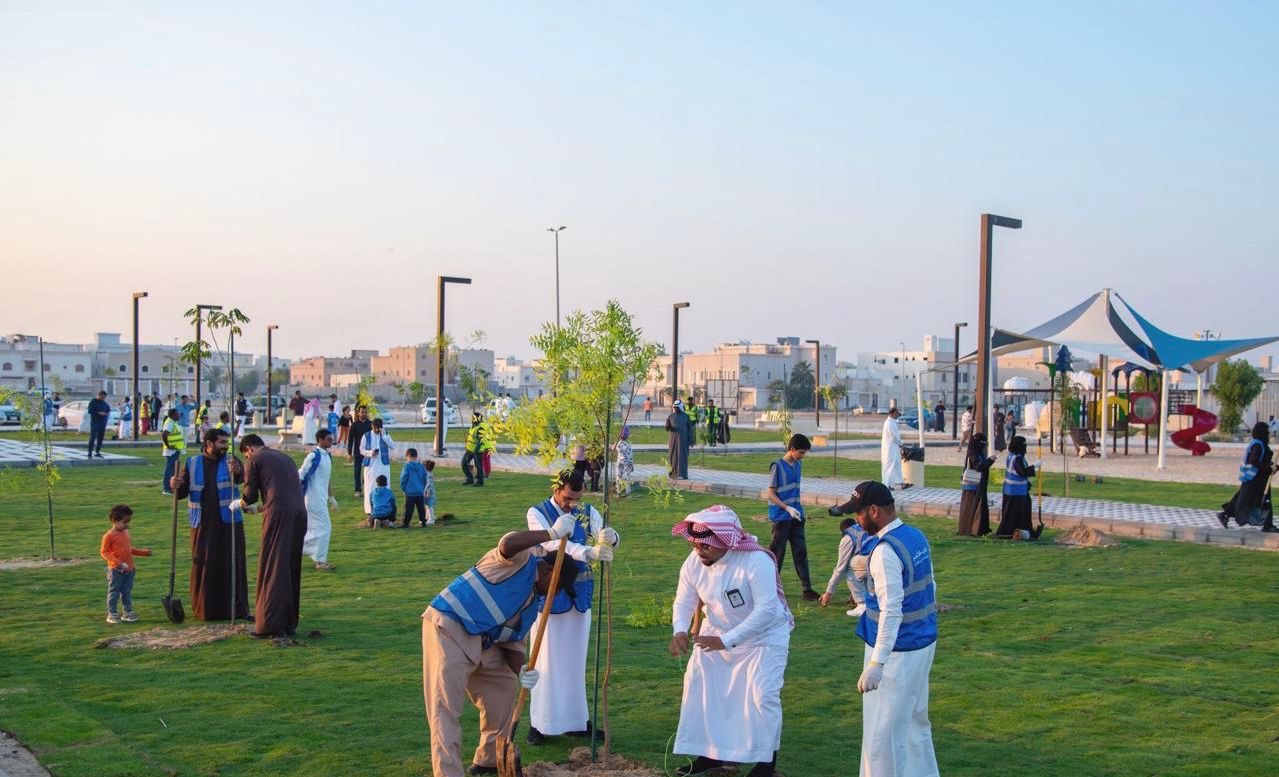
[
  {"x": 739, "y": 593},
  {"x": 575, "y": 550},
  {"x": 885, "y": 571}
]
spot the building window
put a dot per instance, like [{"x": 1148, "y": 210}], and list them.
[
  {"x": 79, "y": 368},
  {"x": 146, "y": 368},
  {"x": 46, "y": 367},
  {"x": 8, "y": 366},
  {"x": 123, "y": 369},
  {"x": 29, "y": 366},
  {"x": 190, "y": 370}
]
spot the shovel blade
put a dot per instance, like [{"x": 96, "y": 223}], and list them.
[{"x": 173, "y": 609}]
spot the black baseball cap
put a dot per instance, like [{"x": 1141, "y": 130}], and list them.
[{"x": 865, "y": 494}]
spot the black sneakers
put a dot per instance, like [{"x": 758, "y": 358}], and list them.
[{"x": 700, "y": 765}]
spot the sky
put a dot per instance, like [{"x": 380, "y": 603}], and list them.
[{"x": 802, "y": 169}]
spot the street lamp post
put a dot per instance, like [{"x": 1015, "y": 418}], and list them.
[
  {"x": 199, "y": 348},
  {"x": 675, "y": 349},
  {"x": 270, "y": 367},
  {"x": 137, "y": 400},
  {"x": 556, "y": 231},
  {"x": 954, "y": 409},
  {"x": 817, "y": 382},
  {"x": 982, "y": 395},
  {"x": 902, "y": 403},
  {"x": 439, "y": 349}
]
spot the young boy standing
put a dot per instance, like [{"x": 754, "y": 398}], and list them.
[
  {"x": 118, "y": 551},
  {"x": 382, "y": 504},
  {"x": 413, "y": 481}
]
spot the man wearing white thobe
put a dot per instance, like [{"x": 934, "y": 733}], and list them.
[
  {"x": 732, "y": 704},
  {"x": 890, "y": 451},
  {"x": 558, "y": 704},
  {"x": 314, "y": 474},
  {"x": 376, "y": 448},
  {"x": 899, "y": 627}
]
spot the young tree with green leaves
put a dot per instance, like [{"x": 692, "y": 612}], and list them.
[{"x": 1238, "y": 383}]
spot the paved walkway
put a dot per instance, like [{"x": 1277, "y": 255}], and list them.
[
  {"x": 1119, "y": 518},
  {"x": 15, "y": 453}
]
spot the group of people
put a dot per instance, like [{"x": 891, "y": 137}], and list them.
[
  {"x": 730, "y": 612},
  {"x": 684, "y": 425}
]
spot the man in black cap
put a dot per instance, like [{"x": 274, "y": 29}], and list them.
[{"x": 899, "y": 627}]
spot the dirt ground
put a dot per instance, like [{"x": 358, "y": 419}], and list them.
[
  {"x": 39, "y": 563},
  {"x": 16, "y": 760},
  {"x": 1085, "y": 537},
  {"x": 164, "y": 638},
  {"x": 579, "y": 763}
]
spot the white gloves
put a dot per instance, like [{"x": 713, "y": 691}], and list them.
[
  {"x": 333, "y": 502},
  {"x": 599, "y": 553},
  {"x": 609, "y": 534},
  {"x": 1037, "y": 463},
  {"x": 871, "y": 677},
  {"x": 563, "y": 527},
  {"x": 236, "y": 504},
  {"x": 794, "y": 514},
  {"x": 529, "y": 678}
]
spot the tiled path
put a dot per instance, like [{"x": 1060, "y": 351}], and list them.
[
  {"x": 1119, "y": 518},
  {"x": 14, "y": 453}
]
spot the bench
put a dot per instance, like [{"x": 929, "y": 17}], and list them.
[
  {"x": 1084, "y": 443},
  {"x": 292, "y": 434}
]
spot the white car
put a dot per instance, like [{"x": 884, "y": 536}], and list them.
[
  {"x": 75, "y": 415},
  {"x": 427, "y": 412}
]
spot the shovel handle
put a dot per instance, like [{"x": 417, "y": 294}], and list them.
[
  {"x": 173, "y": 541},
  {"x": 541, "y": 630}
]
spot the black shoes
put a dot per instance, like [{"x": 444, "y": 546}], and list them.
[
  {"x": 534, "y": 737},
  {"x": 586, "y": 732},
  {"x": 700, "y": 765},
  {"x": 810, "y": 595},
  {"x": 1225, "y": 520},
  {"x": 763, "y": 769},
  {"x": 477, "y": 769}
]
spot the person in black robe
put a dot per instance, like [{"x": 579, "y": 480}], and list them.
[
  {"x": 999, "y": 423},
  {"x": 1258, "y": 466},
  {"x": 680, "y": 437},
  {"x": 359, "y": 427},
  {"x": 212, "y": 540},
  {"x": 940, "y": 416},
  {"x": 273, "y": 478},
  {"x": 1015, "y": 516},
  {"x": 974, "y": 507}
]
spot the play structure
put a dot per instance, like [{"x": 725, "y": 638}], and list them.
[{"x": 1201, "y": 422}]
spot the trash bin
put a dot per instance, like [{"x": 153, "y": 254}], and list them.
[{"x": 913, "y": 464}]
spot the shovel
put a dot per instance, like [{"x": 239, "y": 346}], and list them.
[
  {"x": 508, "y": 756},
  {"x": 1039, "y": 502},
  {"x": 172, "y": 604}
]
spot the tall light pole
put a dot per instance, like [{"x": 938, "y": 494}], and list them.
[
  {"x": 556, "y": 231},
  {"x": 981, "y": 396},
  {"x": 954, "y": 409},
  {"x": 137, "y": 400},
  {"x": 902, "y": 403},
  {"x": 199, "y": 349},
  {"x": 675, "y": 349},
  {"x": 817, "y": 382},
  {"x": 270, "y": 367},
  {"x": 439, "y": 352}
]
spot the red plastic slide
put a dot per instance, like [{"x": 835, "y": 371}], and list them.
[{"x": 1201, "y": 422}]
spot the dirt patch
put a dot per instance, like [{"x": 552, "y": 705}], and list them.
[
  {"x": 579, "y": 763},
  {"x": 162, "y": 638},
  {"x": 1085, "y": 537},
  {"x": 16, "y": 760},
  {"x": 40, "y": 563}
]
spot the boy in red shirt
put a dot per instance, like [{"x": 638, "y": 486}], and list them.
[{"x": 118, "y": 551}]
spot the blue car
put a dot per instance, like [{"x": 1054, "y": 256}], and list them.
[{"x": 911, "y": 418}]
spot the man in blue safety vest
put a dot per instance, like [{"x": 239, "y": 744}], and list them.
[{"x": 899, "y": 628}]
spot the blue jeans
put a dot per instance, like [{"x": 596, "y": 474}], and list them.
[
  {"x": 119, "y": 586},
  {"x": 97, "y": 432},
  {"x": 170, "y": 469}
]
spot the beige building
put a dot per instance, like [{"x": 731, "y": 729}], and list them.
[{"x": 319, "y": 371}]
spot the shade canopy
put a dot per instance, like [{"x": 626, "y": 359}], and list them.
[{"x": 1106, "y": 325}]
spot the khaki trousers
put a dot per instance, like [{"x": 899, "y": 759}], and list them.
[{"x": 454, "y": 668}]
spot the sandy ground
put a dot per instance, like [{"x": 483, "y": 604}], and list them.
[
  {"x": 164, "y": 638},
  {"x": 40, "y": 563},
  {"x": 579, "y": 763},
  {"x": 16, "y": 760}
]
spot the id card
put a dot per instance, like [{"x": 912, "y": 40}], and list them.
[{"x": 735, "y": 598}]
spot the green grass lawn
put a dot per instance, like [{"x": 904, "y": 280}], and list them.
[
  {"x": 1196, "y": 495},
  {"x": 1151, "y": 658}
]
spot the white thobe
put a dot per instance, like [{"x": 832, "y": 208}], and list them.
[
  {"x": 732, "y": 705},
  {"x": 319, "y": 528},
  {"x": 897, "y": 739},
  {"x": 310, "y": 422},
  {"x": 370, "y": 449},
  {"x": 890, "y": 454},
  {"x": 557, "y": 703}
]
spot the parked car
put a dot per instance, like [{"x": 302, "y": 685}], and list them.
[
  {"x": 75, "y": 415},
  {"x": 911, "y": 418},
  {"x": 10, "y": 415},
  {"x": 427, "y": 412}
]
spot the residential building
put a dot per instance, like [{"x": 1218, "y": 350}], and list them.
[
  {"x": 518, "y": 378},
  {"x": 320, "y": 371}
]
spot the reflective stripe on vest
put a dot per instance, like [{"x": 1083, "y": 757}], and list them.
[
  {"x": 226, "y": 492},
  {"x": 919, "y": 602},
  {"x": 497, "y": 612},
  {"x": 1249, "y": 471},
  {"x": 177, "y": 442},
  {"x": 584, "y": 585},
  {"x": 1015, "y": 484},
  {"x": 787, "y": 489}
]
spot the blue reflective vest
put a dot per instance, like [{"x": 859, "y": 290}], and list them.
[
  {"x": 1014, "y": 484},
  {"x": 584, "y": 585},
  {"x": 919, "y": 607},
  {"x": 496, "y": 612},
  {"x": 787, "y": 489},
  {"x": 1249, "y": 471},
  {"x": 226, "y": 491}
]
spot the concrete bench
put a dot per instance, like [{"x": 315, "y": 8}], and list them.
[{"x": 292, "y": 434}]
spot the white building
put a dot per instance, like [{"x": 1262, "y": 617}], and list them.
[{"x": 518, "y": 378}]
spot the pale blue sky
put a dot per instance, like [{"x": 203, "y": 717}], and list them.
[{"x": 800, "y": 169}]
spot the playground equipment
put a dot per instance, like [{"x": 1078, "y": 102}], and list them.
[{"x": 1201, "y": 422}]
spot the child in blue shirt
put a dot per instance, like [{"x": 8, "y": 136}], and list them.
[
  {"x": 382, "y": 501},
  {"x": 413, "y": 482},
  {"x": 851, "y": 567}
]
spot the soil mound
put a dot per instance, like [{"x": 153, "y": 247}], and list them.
[
  {"x": 1085, "y": 537},
  {"x": 579, "y": 763},
  {"x": 39, "y": 563},
  {"x": 162, "y": 638}
]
